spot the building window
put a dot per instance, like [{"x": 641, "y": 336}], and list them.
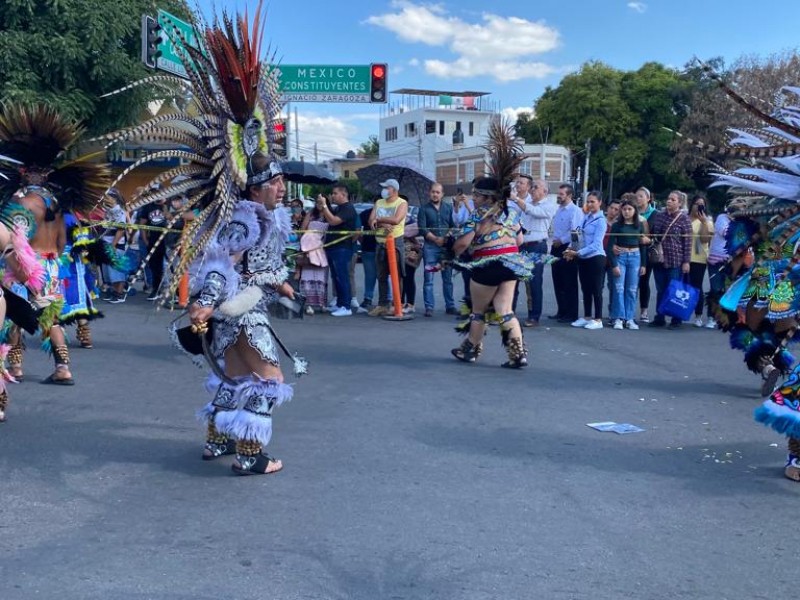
[
  {"x": 471, "y": 129},
  {"x": 391, "y": 134},
  {"x": 346, "y": 174},
  {"x": 410, "y": 129},
  {"x": 441, "y": 127},
  {"x": 525, "y": 167},
  {"x": 430, "y": 127},
  {"x": 469, "y": 170}
]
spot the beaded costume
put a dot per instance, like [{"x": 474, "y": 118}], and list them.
[
  {"x": 761, "y": 306},
  {"x": 494, "y": 255},
  {"x": 233, "y": 250},
  {"x": 37, "y": 170}
]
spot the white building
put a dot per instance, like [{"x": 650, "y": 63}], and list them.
[{"x": 443, "y": 134}]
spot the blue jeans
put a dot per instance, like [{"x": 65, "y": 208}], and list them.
[
  {"x": 432, "y": 255},
  {"x": 534, "y": 284},
  {"x": 663, "y": 276},
  {"x": 339, "y": 261},
  {"x": 370, "y": 275},
  {"x": 626, "y": 285}
]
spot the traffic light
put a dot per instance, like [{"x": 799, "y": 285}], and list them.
[
  {"x": 151, "y": 39},
  {"x": 278, "y": 129},
  {"x": 377, "y": 86}
]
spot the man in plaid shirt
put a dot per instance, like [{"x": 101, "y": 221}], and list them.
[{"x": 674, "y": 229}]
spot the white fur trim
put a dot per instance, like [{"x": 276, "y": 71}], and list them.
[{"x": 241, "y": 303}]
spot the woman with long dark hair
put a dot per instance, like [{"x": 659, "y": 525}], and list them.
[
  {"x": 628, "y": 261},
  {"x": 591, "y": 258}
]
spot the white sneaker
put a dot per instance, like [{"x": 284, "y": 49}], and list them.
[
  {"x": 698, "y": 323},
  {"x": 643, "y": 317},
  {"x": 632, "y": 325},
  {"x": 579, "y": 323},
  {"x": 333, "y": 304},
  {"x": 354, "y": 304},
  {"x": 596, "y": 324},
  {"x": 342, "y": 312},
  {"x": 618, "y": 324},
  {"x": 712, "y": 324}
]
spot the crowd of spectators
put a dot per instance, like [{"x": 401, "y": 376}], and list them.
[{"x": 602, "y": 250}]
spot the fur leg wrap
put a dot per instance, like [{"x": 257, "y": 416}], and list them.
[
  {"x": 792, "y": 468},
  {"x": 248, "y": 447},
  {"x": 467, "y": 351},
  {"x": 517, "y": 353},
  {"x": 3, "y": 404},
  {"x": 253, "y": 400},
  {"x": 15, "y": 355},
  {"x": 213, "y": 436},
  {"x": 61, "y": 355},
  {"x": 84, "y": 335}
]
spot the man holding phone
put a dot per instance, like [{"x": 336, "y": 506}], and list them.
[{"x": 536, "y": 215}]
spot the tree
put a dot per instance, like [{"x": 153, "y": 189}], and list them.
[
  {"x": 713, "y": 112},
  {"x": 67, "y": 53},
  {"x": 370, "y": 147},
  {"x": 623, "y": 113}
]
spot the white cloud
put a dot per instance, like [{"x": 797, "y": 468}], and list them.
[
  {"x": 414, "y": 62},
  {"x": 638, "y": 7},
  {"x": 333, "y": 136},
  {"x": 495, "y": 46}
]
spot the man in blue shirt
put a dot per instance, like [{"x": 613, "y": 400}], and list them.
[
  {"x": 435, "y": 222},
  {"x": 568, "y": 218}
]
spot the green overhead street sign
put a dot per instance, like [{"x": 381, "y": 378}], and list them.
[
  {"x": 160, "y": 42},
  {"x": 170, "y": 60},
  {"x": 333, "y": 83}
]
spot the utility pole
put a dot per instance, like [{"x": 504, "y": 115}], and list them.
[
  {"x": 611, "y": 179},
  {"x": 296, "y": 134},
  {"x": 316, "y": 155},
  {"x": 586, "y": 169}
]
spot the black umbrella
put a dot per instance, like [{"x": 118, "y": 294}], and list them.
[
  {"x": 300, "y": 171},
  {"x": 415, "y": 184}
]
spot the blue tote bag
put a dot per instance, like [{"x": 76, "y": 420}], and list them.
[{"x": 679, "y": 300}]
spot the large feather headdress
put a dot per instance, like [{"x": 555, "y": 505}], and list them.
[
  {"x": 506, "y": 153},
  {"x": 237, "y": 99},
  {"x": 34, "y": 145}
]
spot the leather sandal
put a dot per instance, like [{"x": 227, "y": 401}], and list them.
[
  {"x": 217, "y": 450},
  {"x": 254, "y": 465}
]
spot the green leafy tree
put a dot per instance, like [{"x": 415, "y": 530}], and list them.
[
  {"x": 370, "y": 147},
  {"x": 67, "y": 53},
  {"x": 623, "y": 113}
]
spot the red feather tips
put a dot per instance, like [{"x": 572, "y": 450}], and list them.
[{"x": 236, "y": 55}]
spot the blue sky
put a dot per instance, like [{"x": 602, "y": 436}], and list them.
[{"x": 513, "y": 49}]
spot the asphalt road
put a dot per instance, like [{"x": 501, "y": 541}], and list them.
[{"x": 407, "y": 474}]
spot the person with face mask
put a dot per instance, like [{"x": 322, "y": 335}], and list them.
[{"x": 388, "y": 217}]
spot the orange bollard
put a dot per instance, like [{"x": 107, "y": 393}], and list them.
[
  {"x": 183, "y": 291},
  {"x": 394, "y": 274}
]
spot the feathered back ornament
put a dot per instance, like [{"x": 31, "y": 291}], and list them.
[
  {"x": 505, "y": 155},
  {"x": 36, "y": 139},
  {"x": 237, "y": 97}
]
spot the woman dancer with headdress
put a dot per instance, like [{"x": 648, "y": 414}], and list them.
[
  {"x": 492, "y": 237},
  {"x": 233, "y": 250}
]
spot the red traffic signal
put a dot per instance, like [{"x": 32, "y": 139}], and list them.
[{"x": 377, "y": 88}]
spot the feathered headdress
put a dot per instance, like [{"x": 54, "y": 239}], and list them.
[
  {"x": 238, "y": 101},
  {"x": 505, "y": 155},
  {"x": 33, "y": 143}
]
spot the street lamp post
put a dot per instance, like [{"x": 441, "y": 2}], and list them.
[{"x": 611, "y": 179}]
